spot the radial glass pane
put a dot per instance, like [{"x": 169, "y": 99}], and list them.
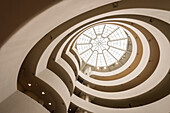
[
  {"x": 86, "y": 55},
  {"x": 109, "y": 58},
  {"x": 119, "y": 44},
  {"x": 83, "y": 39},
  {"x": 99, "y": 29},
  {"x": 93, "y": 59},
  {"x": 83, "y": 47},
  {"x": 100, "y": 61},
  {"x": 116, "y": 53},
  {"x": 90, "y": 33}
]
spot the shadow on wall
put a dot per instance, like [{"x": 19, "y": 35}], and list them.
[{"x": 15, "y": 13}]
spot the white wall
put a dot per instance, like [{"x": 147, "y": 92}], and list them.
[
  {"x": 21, "y": 103},
  {"x": 57, "y": 84}
]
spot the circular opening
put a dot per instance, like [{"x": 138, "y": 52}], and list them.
[{"x": 102, "y": 45}]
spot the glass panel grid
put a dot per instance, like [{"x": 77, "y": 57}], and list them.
[
  {"x": 91, "y": 33},
  {"x": 84, "y": 47},
  {"x": 99, "y": 29},
  {"x": 100, "y": 61},
  {"x": 83, "y": 39},
  {"x": 109, "y": 58},
  {"x": 86, "y": 55},
  {"x": 102, "y": 45},
  {"x": 93, "y": 59}
]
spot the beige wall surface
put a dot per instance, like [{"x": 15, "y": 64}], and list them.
[
  {"x": 21, "y": 103},
  {"x": 13, "y": 52}
]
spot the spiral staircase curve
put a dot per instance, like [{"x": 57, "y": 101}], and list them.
[{"x": 42, "y": 70}]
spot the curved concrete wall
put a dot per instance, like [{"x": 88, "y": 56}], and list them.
[
  {"x": 32, "y": 34},
  {"x": 21, "y": 103},
  {"x": 57, "y": 84},
  {"x": 157, "y": 107},
  {"x": 14, "y": 52}
]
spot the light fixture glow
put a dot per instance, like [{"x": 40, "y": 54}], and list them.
[
  {"x": 29, "y": 84},
  {"x": 42, "y": 93},
  {"x": 49, "y": 104}
]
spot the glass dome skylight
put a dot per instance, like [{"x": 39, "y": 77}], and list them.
[{"x": 102, "y": 45}]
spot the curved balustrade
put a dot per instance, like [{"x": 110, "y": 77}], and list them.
[{"x": 41, "y": 61}]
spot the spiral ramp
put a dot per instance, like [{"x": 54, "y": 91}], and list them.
[{"x": 41, "y": 70}]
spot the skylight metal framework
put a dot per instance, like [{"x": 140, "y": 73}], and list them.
[{"x": 102, "y": 45}]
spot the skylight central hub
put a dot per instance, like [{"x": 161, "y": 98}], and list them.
[{"x": 99, "y": 43}]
